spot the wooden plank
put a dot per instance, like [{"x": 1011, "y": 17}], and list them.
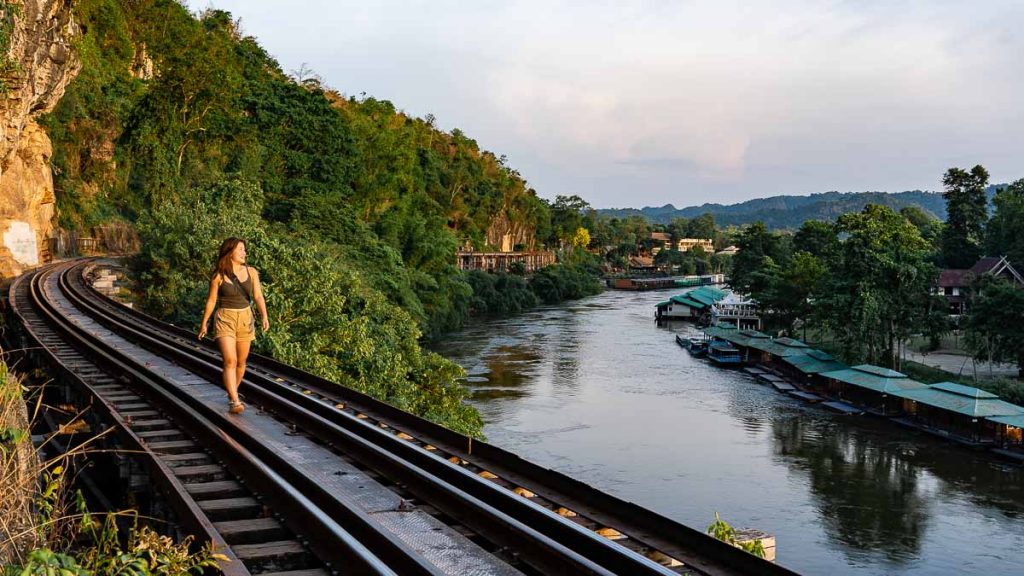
[
  {"x": 251, "y": 531},
  {"x": 138, "y": 414},
  {"x": 313, "y": 572},
  {"x": 131, "y": 406},
  {"x": 215, "y": 490},
  {"x": 164, "y": 433},
  {"x": 230, "y": 508},
  {"x": 173, "y": 446},
  {"x": 149, "y": 424},
  {"x": 208, "y": 471},
  {"x": 267, "y": 550},
  {"x": 186, "y": 459}
]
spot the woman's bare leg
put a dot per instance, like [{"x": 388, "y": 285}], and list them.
[
  {"x": 228, "y": 351},
  {"x": 241, "y": 354}
]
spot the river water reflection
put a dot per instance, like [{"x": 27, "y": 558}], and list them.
[{"x": 596, "y": 390}]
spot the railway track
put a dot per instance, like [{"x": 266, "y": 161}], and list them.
[{"x": 522, "y": 518}]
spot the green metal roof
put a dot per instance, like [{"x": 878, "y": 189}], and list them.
[
  {"x": 780, "y": 347},
  {"x": 687, "y": 301},
  {"x": 720, "y": 331},
  {"x": 699, "y": 298},
  {"x": 662, "y": 304},
  {"x": 963, "y": 404},
  {"x": 879, "y": 371},
  {"x": 875, "y": 378},
  {"x": 1015, "y": 421},
  {"x": 814, "y": 362},
  {"x": 962, "y": 390},
  {"x": 739, "y": 337}
]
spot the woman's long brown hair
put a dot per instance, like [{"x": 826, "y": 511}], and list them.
[{"x": 223, "y": 266}]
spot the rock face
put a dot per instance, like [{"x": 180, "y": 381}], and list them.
[{"x": 40, "y": 47}]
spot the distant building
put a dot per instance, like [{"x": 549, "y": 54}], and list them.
[
  {"x": 502, "y": 261},
  {"x": 738, "y": 311},
  {"x": 663, "y": 240},
  {"x": 687, "y": 244},
  {"x": 954, "y": 283},
  {"x": 642, "y": 263},
  {"x": 728, "y": 251},
  {"x": 692, "y": 305}
]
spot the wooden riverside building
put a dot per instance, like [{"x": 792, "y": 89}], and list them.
[{"x": 502, "y": 261}]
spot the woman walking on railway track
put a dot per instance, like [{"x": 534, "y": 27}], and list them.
[{"x": 236, "y": 286}]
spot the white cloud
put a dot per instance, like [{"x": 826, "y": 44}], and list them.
[{"x": 678, "y": 101}]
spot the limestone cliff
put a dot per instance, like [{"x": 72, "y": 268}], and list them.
[{"x": 42, "y": 64}]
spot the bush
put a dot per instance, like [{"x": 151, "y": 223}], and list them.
[{"x": 553, "y": 284}]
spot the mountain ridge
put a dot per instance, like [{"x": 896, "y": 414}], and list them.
[{"x": 790, "y": 211}]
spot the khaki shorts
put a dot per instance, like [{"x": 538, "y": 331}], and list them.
[{"x": 237, "y": 324}]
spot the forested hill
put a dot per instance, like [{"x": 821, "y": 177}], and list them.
[
  {"x": 180, "y": 130},
  {"x": 789, "y": 212}
]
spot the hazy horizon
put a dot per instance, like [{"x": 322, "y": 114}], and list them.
[{"x": 650, "y": 103}]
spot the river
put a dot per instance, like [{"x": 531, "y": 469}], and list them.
[{"x": 596, "y": 390}]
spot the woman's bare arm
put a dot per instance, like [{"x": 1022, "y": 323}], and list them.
[
  {"x": 211, "y": 303},
  {"x": 261, "y": 304}
]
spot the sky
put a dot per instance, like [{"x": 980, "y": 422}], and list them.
[{"x": 650, "y": 102}]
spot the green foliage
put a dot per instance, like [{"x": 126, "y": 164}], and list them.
[
  {"x": 756, "y": 244},
  {"x": 994, "y": 328},
  {"x": 1007, "y": 389},
  {"x": 500, "y": 294},
  {"x": 325, "y": 317},
  {"x": 967, "y": 212},
  {"x": 144, "y": 553},
  {"x": 45, "y": 562},
  {"x": 553, "y": 284},
  {"x": 878, "y": 293},
  {"x": 721, "y": 530},
  {"x": 817, "y": 238},
  {"x": 1004, "y": 235},
  {"x": 702, "y": 226}
]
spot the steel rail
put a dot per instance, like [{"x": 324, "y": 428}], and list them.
[
  {"x": 500, "y": 516},
  {"x": 347, "y": 547},
  {"x": 193, "y": 519},
  {"x": 697, "y": 550}
]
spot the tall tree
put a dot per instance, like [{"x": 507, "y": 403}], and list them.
[
  {"x": 967, "y": 211},
  {"x": 880, "y": 285},
  {"x": 755, "y": 243},
  {"x": 1005, "y": 232}
]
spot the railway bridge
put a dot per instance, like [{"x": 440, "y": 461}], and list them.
[{"x": 315, "y": 479}]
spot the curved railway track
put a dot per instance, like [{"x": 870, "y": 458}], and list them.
[{"x": 525, "y": 518}]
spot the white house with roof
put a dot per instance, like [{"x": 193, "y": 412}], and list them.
[{"x": 737, "y": 310}]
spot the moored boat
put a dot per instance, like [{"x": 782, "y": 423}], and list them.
[
  {"x": 724, "y": 353},
  {"x": 695, "y": 346}
]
